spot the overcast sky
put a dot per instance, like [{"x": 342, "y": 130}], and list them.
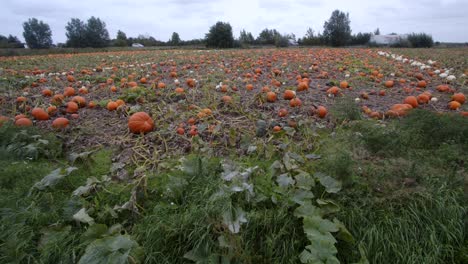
[{"x": 446, "y": 20}]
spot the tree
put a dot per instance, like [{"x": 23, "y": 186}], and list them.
[
  {"x": 175, "y": 39},
  {"x": 377, "y": 31},
  {"x": 420, "y": 40},
  {"x": 121, "y": 40},
  {"x": 268, "y": 37},
  {"x": 311, "y": 39},
  {"x": 246, "y": 38},
  {"x": 11, "y": 42},
  {"x": 336, "y": 30},
  {"x": 96, "y": 34},
  {"x": 220, "y": 36},
  {"x": 76, "y": 33},
  {"x": 37, "y": 34}
]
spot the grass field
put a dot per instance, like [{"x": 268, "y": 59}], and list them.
[{"x": 232, "y": 172}]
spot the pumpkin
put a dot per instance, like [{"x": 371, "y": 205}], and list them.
[
  {"x": 333, "y": 90},
  {"x": 271, "y": 97},
  {"x": 227, "y": 99},
  {"x": 454, "y": 105},
  {"x": 411, "y": 100},
  {"x": 83, "y": 90},
  {"x": 382, "y": 92},
  {"x": 23, "y": 122},
  {"x": 422, "y": 84},
  {"x": 72, "y": 107},
  {"x": 276, "y": 129},
  {"x": 47, "y": 92},
  {"x": 180, "y": 130},
  {"x": 120, "y": 102},
  {"x": 289, "y": 94},
  {"x": 321, "y": 111},
  {"x": 19, "y": 116},
  {"x": 443, "y": 88},
  {"x": 459, "y": 97},
  {"x": 249, "y": 87},
  {"x": 21, "y": 99},
  {"x": 111, "y": 105},
  {"x": 399, "y": 110},
  {"x": 161, "y": 85},
  {"x": 39, "y": 114},
  {"x": 140, "y": 122},
  {"x": 423, "y": 98},
  {"x": 60, "y": 122},
  {"x": 79, "y": 100},
  {"x": 282, "y": 112},
  {"x": 3, "y": 119},
  {"x": 91, "y": 104},
  {"x": 57, "y": 99},
  {"x": 179, "y": 90},
  {"x": 68, "y": 91},
  {"x": 302, "y": 86},
  {"x": 344, "y": 84},
  {"x": 143, "y": 80},
  {"x": 191, "y": 83},
  {"x": 70, "y": 78},
  {"x": 52, "y": 110},
  {"x": 389, "y": 84},
  {"x": 295, "y": 102}
]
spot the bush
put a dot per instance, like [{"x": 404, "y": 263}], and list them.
[{"x": 420, "y": 40}]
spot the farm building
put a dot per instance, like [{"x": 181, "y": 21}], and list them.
[
  {"x": 137, "y": 45},
  {"x": 387, "y": 39}
]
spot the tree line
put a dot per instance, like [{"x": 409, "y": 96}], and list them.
[{"x": 93, "y": 33}]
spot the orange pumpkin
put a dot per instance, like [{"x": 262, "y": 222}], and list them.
[
  {"x": 302, "y": 86},
  {"x": 72, "y": 107},
  {"x": 227, "y": 99},
  {"x": 389, "y": 84},
  {"x": 52, "y": 110},
  {"x": 423, "y": 98},
  {"x": 295, "y": 102},
  {"x": 271, "y": 97},
  {"x": 344, "y": 84},
  {"x": 39, "y": 114},
  {"x": 3, "y": 119},
  {"x": 411, "y": 100},
  {"x": 60, "y": 122},
  {"x": 459, "y": 97},
  {"x": 47, "y": 92},
  {"x": 23, "y": 122},
  {"x": 111, "y": 105},
  {"x": 68, "y": 91},
  {"x": 454, "y": 105},
  {"x": 276, "y": 129},
  {"x": 422, "y": 84},
  {"x": 321, "y": 111},
  {"x": 282, "y": 112},
  {"x": 79, "y": 100},
  {"x": 140, "y": 122},
  {"x": 289, "y": 94},
  {"x": 57, "y": 99},
  {"x": 333, "y": 90}
]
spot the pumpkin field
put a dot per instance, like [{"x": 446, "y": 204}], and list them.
[{"x": 296, "y": 155}]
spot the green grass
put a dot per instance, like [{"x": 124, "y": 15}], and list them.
[{"x": 180, "y": 211}]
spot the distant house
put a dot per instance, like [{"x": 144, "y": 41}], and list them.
[
  {"x": 387, "y": 39},
  {"x": 137, "y": 45},
  {"x": 292, "y": 42}
]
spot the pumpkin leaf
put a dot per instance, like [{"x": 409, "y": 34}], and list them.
[
  {"x": 284, "y": 180},
  {"x": 83, "y": 156},
  {"x": 118, "y": 249},
  {"x": 304, "y": 180},
  {"x": 53, "y": 178},
  {"x": 300, "y": 196},
  {"x": 234, "y": 218},
  {"x": 331, "y": 185},
  {"x": 83, "y": 217}
]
